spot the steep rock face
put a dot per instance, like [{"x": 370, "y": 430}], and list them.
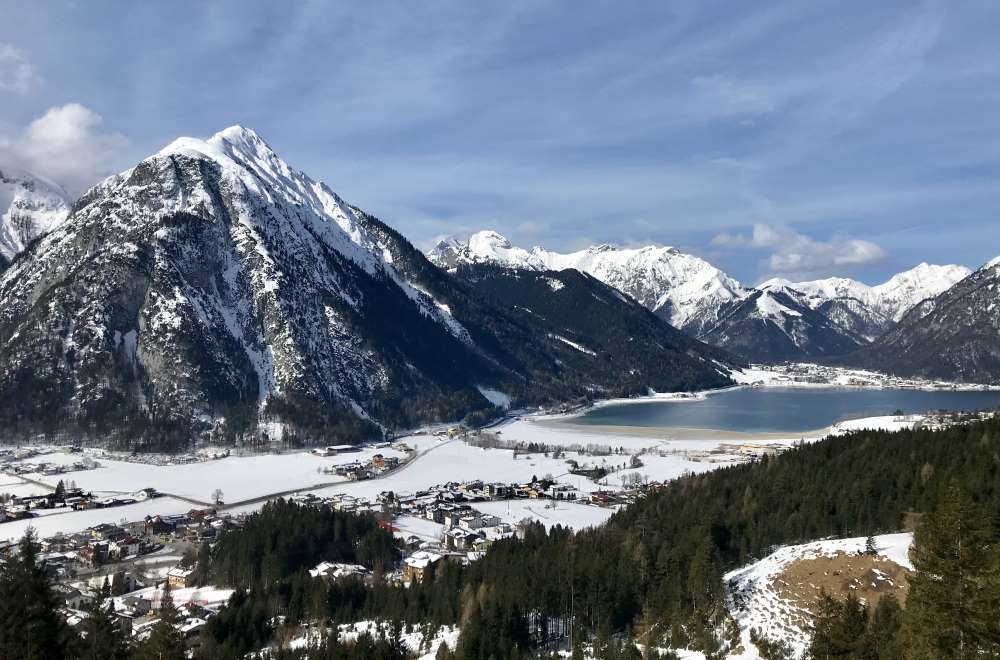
[
  {"x": 212, "y": 286},
  {"x": 772, "y": 325},
  {"x": 683, "y": 289},
  {"x": 954, "y": 336},
  {"x": 30, "y": 206}
]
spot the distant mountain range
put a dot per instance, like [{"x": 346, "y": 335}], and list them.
[
  {"x": 213, "y": 286},
  {"x": 685, "y": 290},
  {"x": 953, "y": 336},
  {"x": 779, "y": 320}
]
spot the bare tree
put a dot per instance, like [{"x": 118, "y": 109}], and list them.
[{"x": 217, "y": 496}]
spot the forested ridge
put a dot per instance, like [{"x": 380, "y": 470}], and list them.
[{"x": 653, "y": 573}]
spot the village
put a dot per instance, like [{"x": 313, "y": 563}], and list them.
[{"x": 135, "y": 563}]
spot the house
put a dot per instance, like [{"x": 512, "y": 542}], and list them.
[
  {"x": 126, "y": 547},
  {"x": 71, "y": 596},
  {"x": 106, "y": 532},
  {"x": 178, "y": 577},
  {"x": 458, "y": 538},
  {"x": 333, "y": 571},
  {"x": 417, "y": 564},
  {"x": 498, "y": 491},
  {"x": 94, "y": 554}
]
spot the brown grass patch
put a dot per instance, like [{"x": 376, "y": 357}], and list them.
[{"x": 803, "y": 581}]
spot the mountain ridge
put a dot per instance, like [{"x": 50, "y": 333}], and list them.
[
  {"x": 700, "y": 299},
  {"x": 213, "y": 286}
]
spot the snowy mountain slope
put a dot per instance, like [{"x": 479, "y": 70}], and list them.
[
  {"x": 774, "y": 325},
  {"x": 30, "y": 206},
  {"x": 681, "y": 288},
  {"x": 954, "y": 336},
  {"x": 890, "y": 300},
  {"x": 620, "y": 342},
  {"x": 214, "y": 282},
  {"x": 844, "y": 308}
]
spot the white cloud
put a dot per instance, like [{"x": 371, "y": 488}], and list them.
[
  {"x": 66, "y": 145},
  {"x": 794, "y": 253},
  {"x": 16, "y": 73}
]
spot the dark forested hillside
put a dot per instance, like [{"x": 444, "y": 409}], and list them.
[{"x": 605, "y": 341}]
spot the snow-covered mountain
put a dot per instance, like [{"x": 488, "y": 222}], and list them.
[
  {"x": 779, "y": 319},
  {"x": 872, "y": 310},
  {"x": 774, "y": 325},
  {"x": 953, "y": 336},
  {"x": 213, "y": 281},
  {"x": 30, "y": 206},
  {"x": 681, "y": 288}
]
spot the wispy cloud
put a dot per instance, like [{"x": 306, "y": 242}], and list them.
[
  {"x": 16, "y": 73},
  {"x": 794, "y": 254}
]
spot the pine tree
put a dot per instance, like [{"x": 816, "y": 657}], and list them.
[
  {"x": 100, "y": 636},
  {"x": 839, "y": 628},
  {"x": 164, "y": 642},
  {"x": 950, "y": 607},
  {"x": 30, "y": 624},
  {"x": 870, "y": 547},
  {"x": 202, "y": 565},
  {"x": 31, "y": 627}
]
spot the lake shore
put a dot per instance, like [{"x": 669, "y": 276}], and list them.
[{"x": 671, "y": 433}]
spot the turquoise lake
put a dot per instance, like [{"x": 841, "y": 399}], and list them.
[{"x": 775, "y": 410}]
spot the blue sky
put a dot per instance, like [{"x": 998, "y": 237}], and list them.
[{"x": 797, "y": 138}]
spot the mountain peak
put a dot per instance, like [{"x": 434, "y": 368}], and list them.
[{"x": 232, "y": 145}]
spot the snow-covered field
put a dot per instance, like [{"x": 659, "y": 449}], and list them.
[
  {"x": 239, "y": 478},
  {"x": 548, "y": 512},
  {"x": 18, "y": 488},
  {"x": 882, "y": 423},
  {"x": 75, "y": 521},
  {"x": 425, "y": 530},
  {"x": 760, "y": 608}
]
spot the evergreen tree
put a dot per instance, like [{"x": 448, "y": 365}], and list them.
[
  {"x": 202, "y": 565},
  {"x": 101, "y": 637},
  {"x": 953, "y": 595},
  {"x": 165, "y": 641},
  {"x": 883, "y": 637},
  {"x": 31, "y": 627},
  {"x": 870, "y": 548},
  {"x": 838, "y": 628}
]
